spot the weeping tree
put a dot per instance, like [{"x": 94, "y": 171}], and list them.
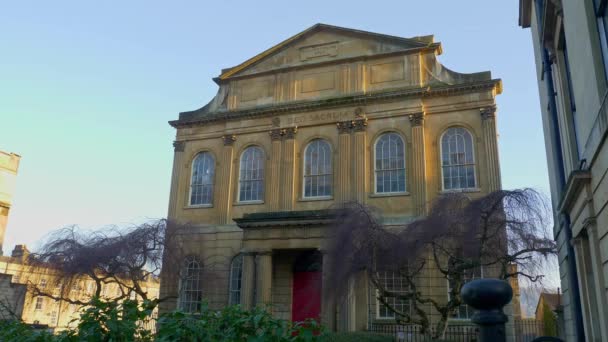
[
  {"x": 124, "y": 259},
  {"x": 503, "y": 233}
]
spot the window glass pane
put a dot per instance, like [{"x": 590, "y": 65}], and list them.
[
  {"x": 393, "y": 282},
  {"x": 317, "y": 169},
  {"x": 236, "y": 270},
  {"x": 203, "y": 168},
  {"x": 251, "y": 179},
  {"x": 457, "y": 158},
  {"x": 190, "y": 294},
  {"x": 390, "y": 164}
]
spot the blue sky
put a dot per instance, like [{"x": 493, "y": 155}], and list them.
[{"x": 87, "y": 88}]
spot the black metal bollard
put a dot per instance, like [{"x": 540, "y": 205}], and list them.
[{"x": 488, "y": 297}]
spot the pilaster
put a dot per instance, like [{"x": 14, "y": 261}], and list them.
[
  {"x": 488, "y": 116},
  {"x": 264, "y": 278},
  {"x": 223, "y": 191},
  {"x": 344, "y": 162},
  {"x": 274, "y": 174},
  {"x": 359, "y": 127},
  {"x": 328, "y": 295},
  {"x": 247, "y": 280},
  {"x": 178, "y": 156},
  {"x": 418, "y": 164},
  {"x": 288, "y": 169}
]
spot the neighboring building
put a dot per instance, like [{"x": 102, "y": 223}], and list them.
[
  {"x": 571, "y": 52},
  {"x": 327, "y": 116},
  {"x": 17, "y": 278},
  {"x": 547, "y": 301},
  {"x": 9, "y": 164}
]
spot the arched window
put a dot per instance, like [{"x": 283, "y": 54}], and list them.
[
  {"x": 317, "y": 169},
  {"x": 251, "y": 181},
  {"x": 236, "y": 273},
  {"x": 457, "y": 160},
  {"x": 190, "y": 294},
  {"x": 201, "y": 184},
  {"x": 390, "y": 164}
]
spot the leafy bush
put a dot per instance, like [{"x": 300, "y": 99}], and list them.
[{"x": 122, "y": 322}]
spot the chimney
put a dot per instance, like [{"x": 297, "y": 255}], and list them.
[{"x": 20, "y": 252}]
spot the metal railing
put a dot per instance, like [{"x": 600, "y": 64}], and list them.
[
  {"x": 527, "y": 330},
  {"x": 411, "y": 333}
]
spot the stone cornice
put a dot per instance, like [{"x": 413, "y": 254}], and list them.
[
  {"x": 359, "y": 100},
  {"x": 488, "y": 112},
  {"x": 287, "y": 218}
]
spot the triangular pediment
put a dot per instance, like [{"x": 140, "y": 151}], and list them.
[{"x": 324, "y": 43}]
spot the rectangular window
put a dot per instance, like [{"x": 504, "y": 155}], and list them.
[
  {"x": 39, "y": 303},
  {"x": 393, "y": 282},
  {"x": 602, "y": 25},
  {"x": 464, "y": 311},
  {"x": 43, "y": 283}
]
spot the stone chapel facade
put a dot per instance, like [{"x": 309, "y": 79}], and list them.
[{"x": 327, "y": 116}]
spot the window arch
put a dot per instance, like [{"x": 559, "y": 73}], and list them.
[
  {"x": 201, "y": 183},
  {"x": 457, "y": 159},
  {"x": 390, "y": 163},
  {"x": 236, "y": 274},
  {"x": 190, "y": 294},
  {"x": 251, "y": 179},
  {"x": 318, "y": 171}
]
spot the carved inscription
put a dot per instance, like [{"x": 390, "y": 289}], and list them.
[
  {"x": 322, "y": 50},
  {"x": 314, "y": 117}
]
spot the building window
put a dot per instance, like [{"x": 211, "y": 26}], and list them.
[
  {"x": 601, "y": 13},
  {"x": 190, "y": 294},
  {"x": 43, "y": 283},
  {"x": 251, "y": 181},
  {"x": 390, "y": 164},
  {"x": 464, "y": 311},
  {"x": 201, "y": 184},
  {"x": 236, "y": 273},
  {"x": 395, "y": 283},
  {"x": 39, "y": 303},
  {"x": 317, "y": 169},
  {"x": 457, "y": 159}
]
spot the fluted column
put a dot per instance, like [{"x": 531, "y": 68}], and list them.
[
  {"x": 418, "y": 163},
  {"x": 274, "y": 174},
  {"x": 344, "y": 162},
  {"x": 247, "y": 280},
  {"x": 178, "y": 156},
  {"x": 223, "y": 189},
  {"x": 288, "y": 169},
  {"x": 328, "y": 295},
  {"x": 488, "y": 116},
  {"x": 359, "y": 127},
  {"x": 264, "y": 278}
]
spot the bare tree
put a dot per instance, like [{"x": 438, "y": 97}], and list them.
[
  {"x": 503, "y": 233},
  {"x": 127, "y": 258}
]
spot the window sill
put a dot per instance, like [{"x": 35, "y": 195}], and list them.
[
  {"x": 389, "y": 194},
  {"x": 312, "y": 199},
  {"x": 467, "y": 190},
  {"x": 199, "y": 206},
  {"x": 236, "y": 204}
]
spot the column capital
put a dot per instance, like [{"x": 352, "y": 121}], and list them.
[
  {"x": 276, "y": 134},
  {"x": 488, "y": 112},
  {"x": 416, "y": 119},
  {"x": 179, "y": 146},
  {"x": 343, "y": 127},
  {"x": 359, "y": 125},
  {"x": 290, "y": 132},
  {"x": 229, "y": 139}
]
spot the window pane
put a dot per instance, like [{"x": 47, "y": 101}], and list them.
[
  {"x": 457, "y": 159},
  {"x": 203, "y": 168},
  {"x": 317, "y": 169},
  {"x": 251, "y": 179},
  {"x": 390, "y": 164}
]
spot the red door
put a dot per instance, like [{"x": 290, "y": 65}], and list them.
[{"x": 306, "y": 301}]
